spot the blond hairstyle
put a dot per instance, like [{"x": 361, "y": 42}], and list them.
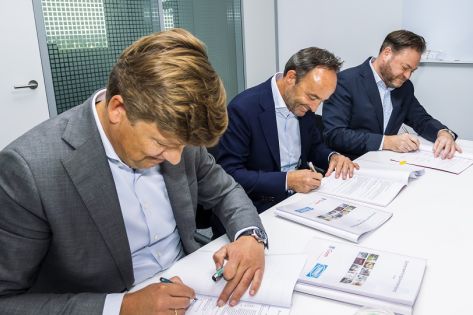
[{"x": 166, "y": 78}]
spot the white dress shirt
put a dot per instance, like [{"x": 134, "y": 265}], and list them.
[
  {"x": 149, "y": 221},
  {"x": 289, "y": 135},
  {"x": 385, "y": 95}
]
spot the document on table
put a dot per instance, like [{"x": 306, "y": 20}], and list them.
[
  {"x": 425, "y": 157},
  {"x": 374, "y": 183},
  {"x": 360, "y": 275},
  {"x": 280, "y": 276},
  {"x": 207, "y": 305},
  {"x": 338, "y": 217}
]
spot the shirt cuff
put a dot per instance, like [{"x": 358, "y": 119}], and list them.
[
  {"x": 330, "y": 155},
  {"x": 113, "y": 304},
  {"x": 243, "y": 230},
  {"x": 381, "y": 145}
]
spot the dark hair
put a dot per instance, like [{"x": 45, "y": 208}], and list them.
[
  {"x": 309, "y": 58},
  {"x": 401, "y": 39}
]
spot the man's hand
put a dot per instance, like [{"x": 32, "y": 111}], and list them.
[
  {"x": 341, "y": 165},
  {"x": 158, "y": 298},
  {"x": 401, "y": 143},
  {"x": 245, "y": 266},
  {"x": 445, "y": 146},
  {"x": 303, "y": 181}
]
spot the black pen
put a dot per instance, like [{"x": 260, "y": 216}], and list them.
[
  {"x": 166, "y": 280},
  {"x": 315, "y": 168}
]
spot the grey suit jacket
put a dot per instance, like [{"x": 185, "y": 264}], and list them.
[{"x": 63, "y": 241}]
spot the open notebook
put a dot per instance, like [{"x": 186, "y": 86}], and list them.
[
  {"x": 341, "y": 218},
  {"x": 362, "y": 276},
  {"x": 273, "y": 297},
  {"x": 374, "y": 183}
]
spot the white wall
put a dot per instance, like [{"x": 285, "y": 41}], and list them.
[
  {"x": 349, "y": 29},
  {"x": 259, "y": 40},
  {"x": 354, "y": 30}
]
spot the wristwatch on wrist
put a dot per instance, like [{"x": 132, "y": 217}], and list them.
[
  {"x": 454, "y": 136},
  {"x": 258, "y": 234}
]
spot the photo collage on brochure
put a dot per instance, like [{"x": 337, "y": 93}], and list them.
[
  {"x": 360, "y": 269},
  {"x": 337, "y": 213}
]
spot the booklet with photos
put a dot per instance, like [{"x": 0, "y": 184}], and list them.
[
  {"x": 341, "y": 218},
  {"x": 374, "y": 183},
  {"x": 361, "y": 276}
]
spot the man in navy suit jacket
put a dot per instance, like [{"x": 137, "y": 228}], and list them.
[
  {"x": 273, "y": 134},
  {"x": 374, "y": 99}
]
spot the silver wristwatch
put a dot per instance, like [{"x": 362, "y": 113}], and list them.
[{"x": 258, "y": 234}]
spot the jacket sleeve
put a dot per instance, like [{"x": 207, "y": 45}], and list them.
[
  {"x": 337, "y": 115},
  {"x": 218, "y": 191},
  {"x": 24, "y": 241},
  {"x": 418, "y": 118}
]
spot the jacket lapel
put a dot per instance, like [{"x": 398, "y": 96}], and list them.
[
  {"x": 304, "y": 127},
  {"x": 396, "y": 102},
  {"x": 179, "y": 194},
  {"x": 373, "y": 94},
  {"x": 88, "y": 168},
  {"x": 268, "y": 123}
]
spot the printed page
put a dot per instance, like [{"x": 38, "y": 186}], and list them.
[
  {"x": 207, "y": 305},
  {"x": 467, "y": 148},
  {"x": 367, "y": 189},
  {"x": 390, "y": 170},
  {"x": 349, "y": 268},
  {"x": 280, "y": 276},
  {"x": 455, "y": 165},
  {"x": 335, "y": 216}
]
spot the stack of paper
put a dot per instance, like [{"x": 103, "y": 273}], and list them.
[
  {"x": 362, "y": 276},
  {"x": 334, "y": 216},
  {"x": 274, "y": 296},
  {"x": 374, "y": 183}
]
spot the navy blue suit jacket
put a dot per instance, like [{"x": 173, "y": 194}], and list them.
[
  {"x": 249, "y": 149},
  {"x": 353, "y": 116}
]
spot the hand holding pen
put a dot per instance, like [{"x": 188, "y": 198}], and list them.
[
  {"x": 171, "y": 296},
  {"x": 403, "y": 142}
]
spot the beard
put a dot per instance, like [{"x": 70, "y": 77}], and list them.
[{"x": 391, "y": 80}]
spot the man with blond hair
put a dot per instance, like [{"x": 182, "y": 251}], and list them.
[{"x": 104, "y": 196}]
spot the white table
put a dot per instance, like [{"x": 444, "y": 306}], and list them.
[{"x": 432, "y": 219}]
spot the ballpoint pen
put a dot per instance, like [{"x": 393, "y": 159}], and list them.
[
  {"x": 315, "y": 169},
  {"x": 166, "y": 280}
]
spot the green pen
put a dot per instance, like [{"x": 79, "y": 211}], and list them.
[
  {"x": 166, "y": 280},
  {"x": 218, "y": 274}
]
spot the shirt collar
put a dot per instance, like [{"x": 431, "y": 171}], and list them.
[
  {"x": 109, "y": 151},
  {"x": 278, "y": 100}
]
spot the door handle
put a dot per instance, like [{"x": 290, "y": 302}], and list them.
[{"x": 33, "y": 84}]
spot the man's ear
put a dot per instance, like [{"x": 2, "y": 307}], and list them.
[
  {"x": 116, "y": 109},
  {"x": 291, "y": 77},
  {"x": 387, "y": 53}
]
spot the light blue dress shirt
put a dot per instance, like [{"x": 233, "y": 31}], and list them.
[
  {"x": 149, "y": 221},
  {"x": 385, "y": 95},
  {"x": 289, "y": 135}
]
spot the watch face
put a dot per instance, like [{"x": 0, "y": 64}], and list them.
[{"x": 261, "y": 234}]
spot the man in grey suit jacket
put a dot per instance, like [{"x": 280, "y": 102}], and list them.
[{"x": 72, "y": 224}]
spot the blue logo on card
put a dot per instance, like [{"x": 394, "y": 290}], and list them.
[
  {"x": 305, "y": 209},
  {"x": 317, "y": 271}
]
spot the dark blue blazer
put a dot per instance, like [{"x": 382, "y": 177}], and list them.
[
  {"x": 353, "y": 116},
  {"x": 249, "y": 149}
]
